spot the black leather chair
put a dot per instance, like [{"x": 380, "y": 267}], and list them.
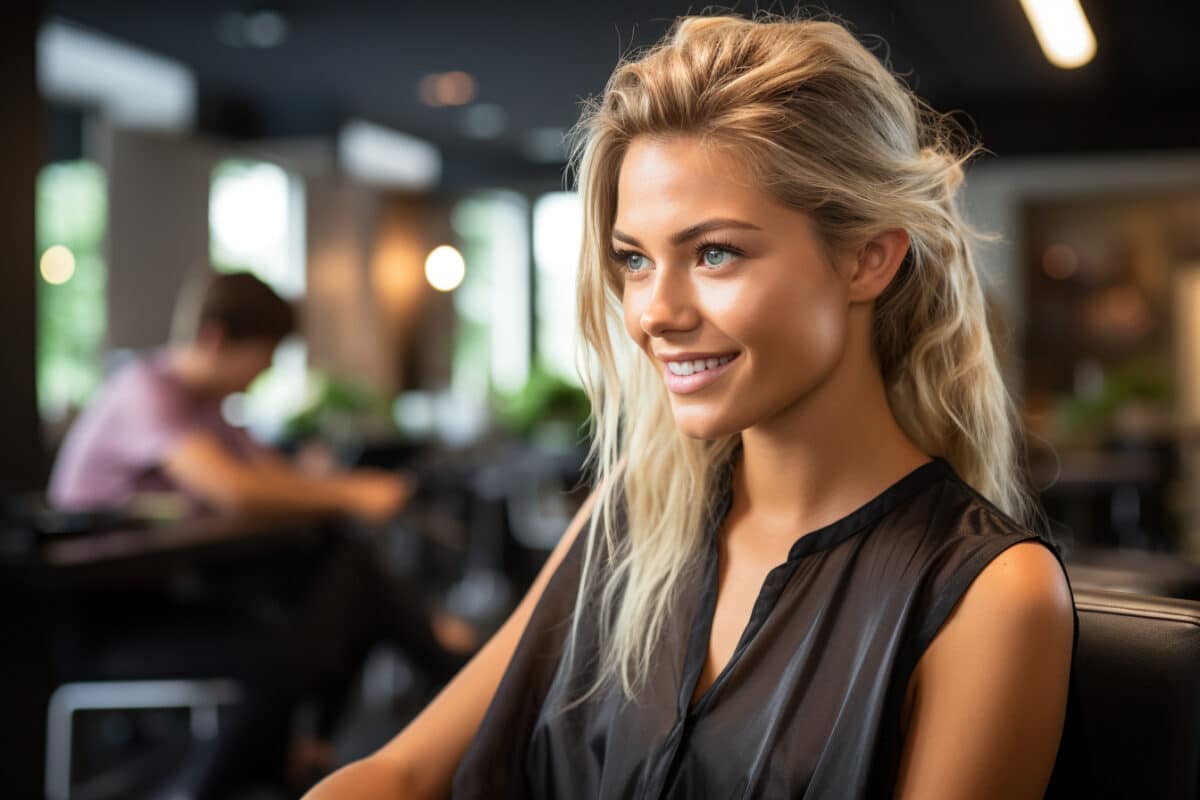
[
  {"x": 1136, "y": 571},
  {"x": 1138, "y": 691}
]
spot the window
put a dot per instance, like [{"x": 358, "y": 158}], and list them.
[
  {"x": 256, "y": 224},
  {"x": 557, "y": 234},
  {"x": 492, "y": 341},
  {"x": 72, "y": 216}
]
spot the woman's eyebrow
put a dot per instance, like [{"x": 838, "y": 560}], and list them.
[{"x": 692, "y": 231}]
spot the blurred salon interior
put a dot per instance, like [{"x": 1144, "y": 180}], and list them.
[{"x": 339, "y": 239}]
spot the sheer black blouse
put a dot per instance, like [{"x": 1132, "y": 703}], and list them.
[{"x": 809, "y": 704}]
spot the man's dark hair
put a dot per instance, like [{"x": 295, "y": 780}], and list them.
[{"x": 245, "y": 308}]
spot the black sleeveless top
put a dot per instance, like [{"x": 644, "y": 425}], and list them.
[{"x": 809, "y": 704}]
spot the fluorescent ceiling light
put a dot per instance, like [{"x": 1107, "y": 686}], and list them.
[
  {"x": 379, "y": 155},
  {"x": 133, "y": 87},
  {"x": 1062, "y": 30}
]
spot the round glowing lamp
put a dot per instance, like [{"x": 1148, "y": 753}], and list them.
[
  {"x": 57, "y": 265},
  {"x": 445, "y": 268}
]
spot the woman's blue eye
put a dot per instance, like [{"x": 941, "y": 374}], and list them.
[
  {"x": 635, "y": 261},
  {"x": 715, "y": 256}
]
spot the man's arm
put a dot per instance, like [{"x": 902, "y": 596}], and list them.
[
  {"x": 988, "y": 698},
  {"x": 202, "y": 466}
]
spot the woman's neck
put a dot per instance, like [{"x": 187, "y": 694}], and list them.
[{"x": 831, "y": 452}]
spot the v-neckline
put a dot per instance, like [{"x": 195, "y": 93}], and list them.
[{"x": 823, "y": 538}]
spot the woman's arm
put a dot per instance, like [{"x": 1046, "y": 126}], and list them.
[
  {"x": 986, "y": 703},
  {"x": 421, "y": 760}
]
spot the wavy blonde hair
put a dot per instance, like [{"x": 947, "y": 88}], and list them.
[{"x": 825, "y": 128}]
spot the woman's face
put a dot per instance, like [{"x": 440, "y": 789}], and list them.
[{"x": 715, "y": 271}]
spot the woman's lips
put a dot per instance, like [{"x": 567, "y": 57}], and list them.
[{"x": 685, "y": 384}]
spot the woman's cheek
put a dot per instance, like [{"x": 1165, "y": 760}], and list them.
[
  {"x": 821, "y": 339},
  {"x": 794, "y": 336}
]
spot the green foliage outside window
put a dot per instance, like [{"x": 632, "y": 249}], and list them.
[{"x": 72, "y": 211}]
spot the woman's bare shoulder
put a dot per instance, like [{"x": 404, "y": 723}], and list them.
[{"x": 992, "y": 686}]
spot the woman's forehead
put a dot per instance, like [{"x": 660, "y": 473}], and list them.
[
  {"x": 677, "y": 182},
  {"x": 674, "y": 157}
]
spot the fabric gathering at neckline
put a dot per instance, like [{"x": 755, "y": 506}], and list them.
[{"x": 835, "y": 532}]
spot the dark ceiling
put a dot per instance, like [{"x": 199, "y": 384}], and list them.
[{"x": 536, "y": 60}]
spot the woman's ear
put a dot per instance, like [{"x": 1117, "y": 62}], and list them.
[{"x": 877, "y": 262}]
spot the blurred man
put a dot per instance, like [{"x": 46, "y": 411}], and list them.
[{"x": 157, "y": 425}]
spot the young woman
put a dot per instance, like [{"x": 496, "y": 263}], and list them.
[{"x": 806, "y": 568}]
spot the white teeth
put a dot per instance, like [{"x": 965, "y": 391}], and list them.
[{"x": 699, "y": 365}]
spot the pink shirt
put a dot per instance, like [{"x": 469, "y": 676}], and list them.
[{"x": 117, "y": 445}]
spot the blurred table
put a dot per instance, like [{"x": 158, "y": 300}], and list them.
[
  {"x": 39, "y": 573},
  {"x": 147, "y": 552}
]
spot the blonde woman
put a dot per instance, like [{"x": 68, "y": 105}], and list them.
[{"x": 808, "y": 568}]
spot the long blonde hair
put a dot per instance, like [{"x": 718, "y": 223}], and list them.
[{"x": 823, "y": 127}]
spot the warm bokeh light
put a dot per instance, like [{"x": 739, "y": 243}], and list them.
[
  {"x": 57, "y": 265},
  {"x": 1060, "y": 261},
  {"x": 445, "y": 268},
  {"x": 1062, "y": 31},
  {"x": 447, "y": 89}
]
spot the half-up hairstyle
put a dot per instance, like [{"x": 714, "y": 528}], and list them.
[{"x": 825, "y": 128}]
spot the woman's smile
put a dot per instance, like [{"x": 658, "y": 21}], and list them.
[{"x": 689, "y": 375}]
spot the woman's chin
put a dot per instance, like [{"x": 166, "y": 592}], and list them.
[{"x": 704, "y": 426}]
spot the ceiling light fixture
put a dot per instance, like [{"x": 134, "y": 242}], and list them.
[
  {"x": 135, "y": 88},
  {"x": 447, "y": 89},
  {"x": 261, "y": 28},
  {"x": 1062, "y": 31},
  {"x": 382, "y": 156}
]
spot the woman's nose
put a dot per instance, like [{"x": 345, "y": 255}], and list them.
[{"x": 671, "y": 306}]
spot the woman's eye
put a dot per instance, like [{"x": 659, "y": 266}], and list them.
[
  {"x": 634, "y": 262},
  {"x": 715, "y": 256}
]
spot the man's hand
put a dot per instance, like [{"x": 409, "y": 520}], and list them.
[{"x": 377, "y": 495}]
